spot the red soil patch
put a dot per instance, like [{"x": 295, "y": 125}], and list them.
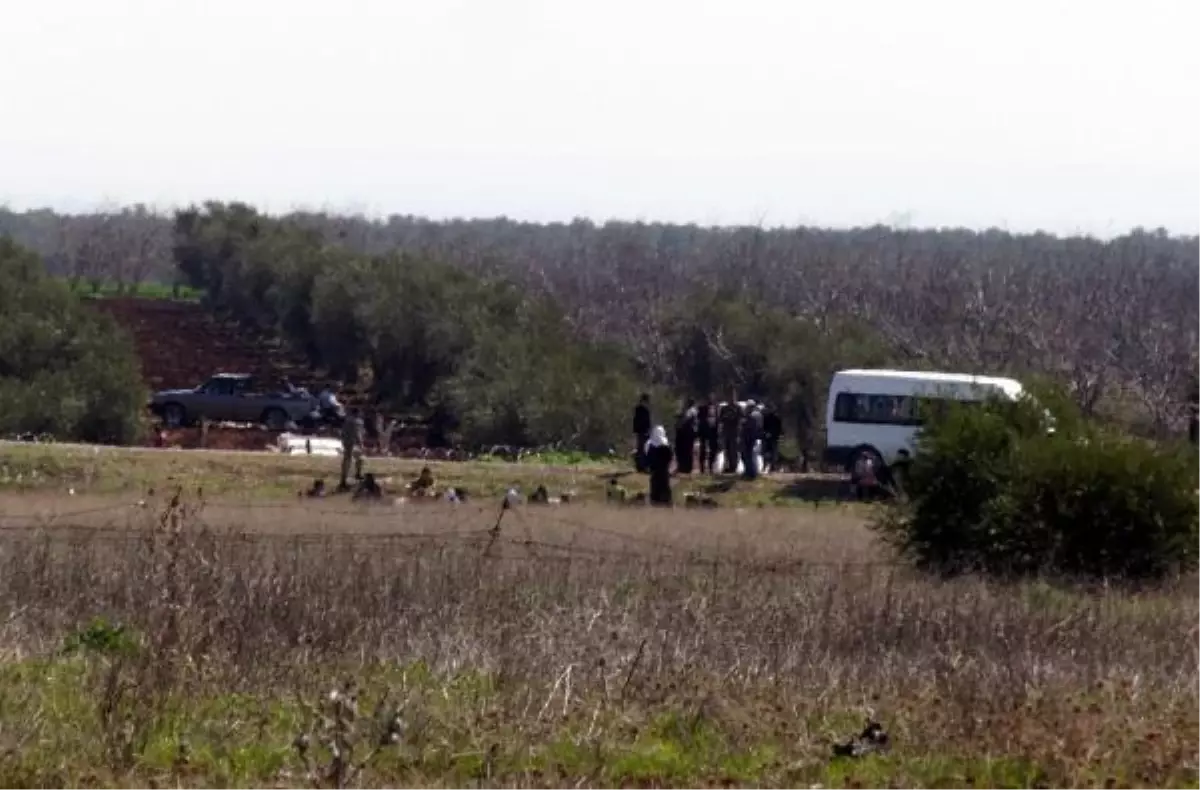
[{"x": 180, "y": 344}]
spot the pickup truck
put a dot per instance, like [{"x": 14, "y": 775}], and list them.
[{"x": 232, "y": 397}]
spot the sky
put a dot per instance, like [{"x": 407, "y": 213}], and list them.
[{"x": 1068, "y": 117}]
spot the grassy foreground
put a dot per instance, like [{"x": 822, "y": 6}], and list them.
[
  {"x": 678, "y": 649},
  {"x": 101, "y": 470}
]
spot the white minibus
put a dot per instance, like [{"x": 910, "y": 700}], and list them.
[{"x": 877, "y": 413}]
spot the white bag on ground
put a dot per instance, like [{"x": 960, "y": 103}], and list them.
[{"x": 290, "y": 444}]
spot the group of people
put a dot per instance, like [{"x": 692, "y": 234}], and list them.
[
  {"x": 717, "y": 434},
  {"x": 352, "y": 427}
]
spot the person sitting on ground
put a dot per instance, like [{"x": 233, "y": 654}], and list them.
[
  {"x": 693, "y": 499},
  {"x": 317, "y": 489},
  {"x": 540, "y": 496},
  {"x": 423, "y": 485},
  {"x": 368, "y": 488}
]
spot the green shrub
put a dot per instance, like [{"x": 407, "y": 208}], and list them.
[
  {"x": 529, "y": 383},
  {"x": 990, "y": 490},
  {"x": 101, "y": 637},
  {"x": 65, "y": 370}
]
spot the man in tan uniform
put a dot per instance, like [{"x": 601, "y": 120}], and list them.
[{"x": 352, "y": 449}]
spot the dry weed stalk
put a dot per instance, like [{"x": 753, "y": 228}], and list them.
[
  {"x": 337, "y": 728},
  {"x": 603, "y": 635}
]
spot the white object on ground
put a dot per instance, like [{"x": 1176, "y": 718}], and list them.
[
  {"x": 756, "y": 456},
  {"x": 291, "y": 444}
]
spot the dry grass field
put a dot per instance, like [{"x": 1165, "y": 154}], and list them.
[
  {"x": 582, "y": 646},
  {"x": 56, "y": 469}
]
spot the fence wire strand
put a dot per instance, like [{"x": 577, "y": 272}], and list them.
[{"x": 467, "y": 526}]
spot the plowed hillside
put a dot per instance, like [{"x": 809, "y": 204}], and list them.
[{"x": 181, "y": 344}]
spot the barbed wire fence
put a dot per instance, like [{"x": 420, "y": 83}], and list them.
[{"x": 467, "y": 528}]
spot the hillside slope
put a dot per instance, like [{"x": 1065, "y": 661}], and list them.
[{"x": 181, "y": 344}]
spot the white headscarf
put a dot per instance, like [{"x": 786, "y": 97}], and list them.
[{"x": 658, "y": 438}]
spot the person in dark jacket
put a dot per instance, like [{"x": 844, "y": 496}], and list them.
[
  {"x": 658, "y": 460},
  {"x": 709, "y": 436},
  {"x": 752, "y": 431},
  {"x": 772, "y": 432},
  {"x": 685, "y": 438},
  {"x": 730, "y": 417},
  {"x": 641, "y": 431}
]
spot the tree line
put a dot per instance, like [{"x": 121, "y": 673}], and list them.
[
  {"x": 496, "y": 360},
  {"x": 532, "y": 332}
]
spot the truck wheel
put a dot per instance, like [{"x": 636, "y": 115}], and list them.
[
  {"x": 275, "y": 419},
  {"x": 174, "y": 415}
]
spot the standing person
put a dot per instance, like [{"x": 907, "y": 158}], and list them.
[
  {"x": 658, "y": 459},
  {"x": 730, "y": 418},
  {"x": 685, "y": 438},
  {"x": 752, "y": 432},
  {"x": 772, "y": 432},
  {"x": 352, "y": 438},
  {"x": 377, "y": 431},
  {"x": 641, "y": 431},
  {"x": 709, "y": 436},
  {"x": 385, "y": 437},
  {"x": 804, "y": 436}
]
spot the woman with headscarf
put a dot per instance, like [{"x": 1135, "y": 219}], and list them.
[{"x": 658, "y": 460}]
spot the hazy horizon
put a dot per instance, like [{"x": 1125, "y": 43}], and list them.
[{"x": 1033, "y": 116}]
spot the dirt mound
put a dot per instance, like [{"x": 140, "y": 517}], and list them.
[{"x": 181, "y": 344}]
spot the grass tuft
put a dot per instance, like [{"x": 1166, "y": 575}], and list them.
[{"x": 211, "y": 644}]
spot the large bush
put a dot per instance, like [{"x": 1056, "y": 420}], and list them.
[
  {"x": 990, "y": 490},
  {"x": 528, "y": 384},
  {"x": 65, "y": 370}
]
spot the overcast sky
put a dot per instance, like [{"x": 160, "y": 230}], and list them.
[{"x": 1064, "y": 116}]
